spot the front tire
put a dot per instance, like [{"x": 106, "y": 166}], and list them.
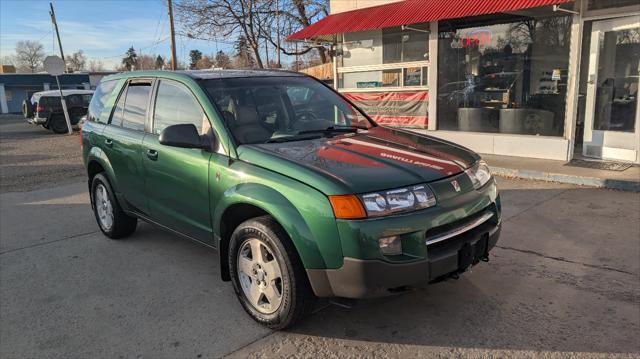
[
  {"x": 267, "y": 274},
  {"x": 112, "y": 220}
]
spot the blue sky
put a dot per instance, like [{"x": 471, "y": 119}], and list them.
[{"x": 103, "y": 29}]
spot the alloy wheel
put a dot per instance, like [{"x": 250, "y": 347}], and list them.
[
  {"x": 103, "y": 207},
  {"x": 260, "y": 276}
]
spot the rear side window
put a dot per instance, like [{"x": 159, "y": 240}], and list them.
[
  {"x": 135, "y": 106},
  {"x": 99, "y": 99},
  {"x": 176, "y": 105},
  {"x": 131, "y": 108}
]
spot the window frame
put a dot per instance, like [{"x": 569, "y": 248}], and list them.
[
  {"x": 395, "y": 66},
  {"x": 402, "y": 66},
  {"x": 154, "y": 98},
  {"x": 123, "y": 91}
]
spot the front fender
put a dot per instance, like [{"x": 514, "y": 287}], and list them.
[{"x": 304, "y": 213}]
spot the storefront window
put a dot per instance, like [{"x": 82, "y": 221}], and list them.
[
  {"x": 607, "y": 4},
  {"x": 506, "y": 75},
  {"x": 362, "y": 48},
  {"x": 394, "y": 57},
  {"x": 405, "y": 45}
]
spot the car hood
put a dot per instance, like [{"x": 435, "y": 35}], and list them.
[{"x": 371, "y": 160}]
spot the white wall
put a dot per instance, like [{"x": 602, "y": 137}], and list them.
[
  {"x": 346, "y": 5},
  {"x": 554, "y": 148}
]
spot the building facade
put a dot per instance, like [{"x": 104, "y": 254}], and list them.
[
  {"x": 15, "y": 88},
  {"x": 536, "y": 78}
]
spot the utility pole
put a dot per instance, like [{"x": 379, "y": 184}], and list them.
[
  {"x": 55, "y": 24},
  {"x": 174, "y": 64},
  {"x": 278, "y": 31}
]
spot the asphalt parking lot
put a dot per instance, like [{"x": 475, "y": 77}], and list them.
[
  {"x": 33, "y": 157},
  {"x": 564, "y": 280}
]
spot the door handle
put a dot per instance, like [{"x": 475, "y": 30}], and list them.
[
  {"x": 108, "y": 142},
  {"x": 152, "y": 154}
]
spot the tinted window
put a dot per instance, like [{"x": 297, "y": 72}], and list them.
[
  {"x": 175, "y": 104},
  {"x": 116, "y": 118},
  {"x": 135, "y": 106},
  {"x": 99, "y": 99}
]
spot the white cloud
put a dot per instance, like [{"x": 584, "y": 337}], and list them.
[{"x": 105, "y": 41}]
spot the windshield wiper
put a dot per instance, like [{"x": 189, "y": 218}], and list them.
[
  {"x": 309, "y": 134},
  {"x": 291, "y": 138},
  {"x": 337, "y": 128}
]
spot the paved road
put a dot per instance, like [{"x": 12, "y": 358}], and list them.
[{"x": 565, "y": 278}]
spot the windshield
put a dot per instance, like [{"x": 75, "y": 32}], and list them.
[{"x": 278, "y": 109}]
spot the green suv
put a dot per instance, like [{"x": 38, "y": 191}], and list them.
[{"x": 301, "y": 193}]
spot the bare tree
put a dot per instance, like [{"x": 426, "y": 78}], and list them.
[
  {"x": 145, "y": 62},
  {"x": 76, "y": 61},
  {"x": 96, "y": 65},
  {"x": 290, "y": 16},
  {"x": 205, "y": 63},
  {"x": 29, "y": 55},
  {"x": 215, "y": 19}
]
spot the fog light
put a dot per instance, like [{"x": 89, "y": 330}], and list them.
[{"x": 390, "y": 246}]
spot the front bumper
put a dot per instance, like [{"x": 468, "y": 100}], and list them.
[{"x": 362, "y": 278}]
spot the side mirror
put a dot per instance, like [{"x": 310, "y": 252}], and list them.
[{"x": 183, "y": 135}]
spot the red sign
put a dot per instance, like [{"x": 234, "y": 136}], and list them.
[{"x": 481, "y": 37}]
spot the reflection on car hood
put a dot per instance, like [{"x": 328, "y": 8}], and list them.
[{"x": 380, "y": 158}]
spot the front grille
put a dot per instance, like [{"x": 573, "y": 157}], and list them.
[{"x": 455, "y": 242}]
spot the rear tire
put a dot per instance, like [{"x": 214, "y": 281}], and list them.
[
  {"x": 58, "y": 124},
  {"x": 112, "y": 220},
  {"x": 27, "y": 109},
  {"x": 267, "y": 274}
]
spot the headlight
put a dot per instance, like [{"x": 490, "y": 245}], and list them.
[
  {"x": 398, "y": 200},
  {"x": 479, "y": 174}
]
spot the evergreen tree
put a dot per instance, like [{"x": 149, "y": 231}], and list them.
[
  {"x": 159, "y": 63},
  {"x": 243, "y": 56},
  {"x": 195, "y": 56},
  {"x": 129, "y": 60},
  {"x": 222, "y": 60}
]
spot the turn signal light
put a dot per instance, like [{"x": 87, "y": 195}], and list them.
[{"x": 347, "y": 207}]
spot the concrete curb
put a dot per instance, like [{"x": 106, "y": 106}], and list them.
[{"x": 632, "y": 186}]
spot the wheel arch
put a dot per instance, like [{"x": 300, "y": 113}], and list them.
[
  {"x": 248, "y": 201},
  {"x": 97, "y": 161}
]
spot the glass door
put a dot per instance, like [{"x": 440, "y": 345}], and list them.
[{"x": 612, "y": 125}]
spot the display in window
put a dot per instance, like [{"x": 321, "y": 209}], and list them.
[{"x": 507, "y": 77}]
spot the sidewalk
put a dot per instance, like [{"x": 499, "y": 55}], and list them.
[{"x": 557, "y": 171}]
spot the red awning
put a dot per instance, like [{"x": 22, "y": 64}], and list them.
[{"x": 411, "y": 12}]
